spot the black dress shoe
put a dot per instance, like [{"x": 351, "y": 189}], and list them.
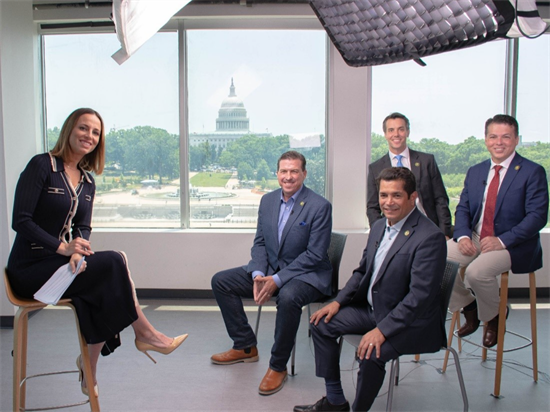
[
  {"x": 471, "y": 325},
  {"x": 322, "y": 405}
]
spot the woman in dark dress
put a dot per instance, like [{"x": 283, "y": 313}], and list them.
[{"x": 52, "y": 215}]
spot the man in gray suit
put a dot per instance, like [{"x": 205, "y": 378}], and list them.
[
  {"x": 432, "y": 196},
  {"x": 289, "y": 261},
  {"x": 392, "y": 298}
]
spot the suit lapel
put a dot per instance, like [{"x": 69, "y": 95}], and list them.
[
  {"x": 275, "y": 218},
  {"x": 476, "y": 191},
  {"x": 511, "y": 174},
  {"x": 406, "y": 232},
  {"x": 299, "y": 205},
  {"x": 416, "y": 169},
  {"x": 377, "y": 232}
]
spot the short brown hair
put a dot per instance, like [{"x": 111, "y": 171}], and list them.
[
  {"x": 94, "y": 161},
  {"x": 292, "y": 155},
  {"x": 502, "y": 119},
  {"x": 398, "y": 173},
  {"x": 393, "y": 116}
]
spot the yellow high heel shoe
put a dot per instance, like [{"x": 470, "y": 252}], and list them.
[
  {"x": 144, "y": 347},
  {"x": 81, "y": 377}
]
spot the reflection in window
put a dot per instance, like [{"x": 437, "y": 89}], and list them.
[
  {"x": 252, "y": 96},
  {"x": 139, "y": 104}
]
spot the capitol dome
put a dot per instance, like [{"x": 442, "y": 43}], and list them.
[{"x": 232, "y": 115}]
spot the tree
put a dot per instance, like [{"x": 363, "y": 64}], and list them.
[
  {"x": 251, "y": 149},
  {"x": 147, "y": 150},
  {"x": 52, "y": 135},
  {"x": 263, "y": 172},
  {"x": 442, "y": 151},
  {"x": 245, "y": 171},
  {"x": 200, "y": 156},
  {"x": 379, "y": 147}
]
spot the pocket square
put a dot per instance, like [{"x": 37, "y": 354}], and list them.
[{"x": 303, "y": 223}]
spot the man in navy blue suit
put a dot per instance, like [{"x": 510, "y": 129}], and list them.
[
  {"x": 289, "y": 261},
  {"x": 502, "y": 208},
  {"x": 392, "y": 298}
]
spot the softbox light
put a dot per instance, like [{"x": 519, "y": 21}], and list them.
[{"x": 374, "y": 32}]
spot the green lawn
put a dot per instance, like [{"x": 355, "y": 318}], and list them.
[{"x": 210, "y": 179}]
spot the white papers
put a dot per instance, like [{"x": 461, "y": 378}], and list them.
[{"x": 53, "y": 289}]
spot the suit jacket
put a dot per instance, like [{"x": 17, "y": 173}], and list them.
[
  {"x": 302, "y": 251},
  {"x": 521, "y": 210},
  {"x": 406, "y": 294},
  {"x": 429, "y": 185}
]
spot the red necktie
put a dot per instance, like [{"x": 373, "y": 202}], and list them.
[{"x": 487, "y": 228}]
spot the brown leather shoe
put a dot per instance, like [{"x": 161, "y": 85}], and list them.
[
  {"x": 235, "y": 356},
  {"x": 272, "y": 382},
  {"x": 471, "y": 325},
  {"x": 491, "y": 333}
]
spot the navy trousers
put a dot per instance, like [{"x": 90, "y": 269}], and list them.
[
  {"x": 351, "y": 320},
  {"x": 231, "y": 285}
]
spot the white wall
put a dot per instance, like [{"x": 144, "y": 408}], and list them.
[{"x": 19, "y": 131}]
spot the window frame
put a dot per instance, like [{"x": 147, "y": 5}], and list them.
[{"x": 197, "y": 17}]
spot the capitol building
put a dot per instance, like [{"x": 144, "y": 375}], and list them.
[{"x": 232, "y": 123}]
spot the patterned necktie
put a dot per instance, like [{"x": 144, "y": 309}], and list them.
[
  {"x": 399, "y": 157},
  {"x": 487, "y": 227}
]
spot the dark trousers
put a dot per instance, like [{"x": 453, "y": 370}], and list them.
[
  {"x": 231, "y": 285},
  {"x": 351, "y": 320}
]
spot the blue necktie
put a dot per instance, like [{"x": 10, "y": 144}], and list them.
[{"x": 399, "y": 157}]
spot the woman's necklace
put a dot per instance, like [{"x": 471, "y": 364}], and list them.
[{"x": 74, "y": 174}]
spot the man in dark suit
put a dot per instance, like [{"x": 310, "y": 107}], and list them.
[
  {"x": 392, "y": 297},
  {"x": 432, "y": 196},
  {"x": 502, "y": 208},
  {"x": 289, "y": 261}
]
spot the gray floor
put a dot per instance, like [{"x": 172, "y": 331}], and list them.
[{"x": 187, "y": 381}]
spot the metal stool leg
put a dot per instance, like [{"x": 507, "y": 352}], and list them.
[
  {"x": 533, "y": 302},
  {"x": 393, "y": 372},
  {"x": 258, "y": 321},
  {"x": 293, "y": 361},
  {"x": 456, "y": 316}
]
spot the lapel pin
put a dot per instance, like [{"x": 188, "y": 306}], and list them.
[
  {"x": 302, "y": 203},
  {"x": 417, "y": 164},
  {"x": 407, "y": 233},
  {"x": 517, "y": 167}
]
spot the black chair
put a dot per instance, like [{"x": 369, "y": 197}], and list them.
[
  {"x": 335, "y": 252},
  {"x": 447, "y": 284}
]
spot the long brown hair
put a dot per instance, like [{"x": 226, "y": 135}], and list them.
[{"x": 94, "y": 161}]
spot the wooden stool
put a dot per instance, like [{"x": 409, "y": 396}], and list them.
[
  {"x": 502, "y": 331},
  {"x": 20, "y": 329}
]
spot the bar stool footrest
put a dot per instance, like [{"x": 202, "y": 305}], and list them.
[
  {"x": 525, "y": 338},
  {"x": 49, "y": 408}
]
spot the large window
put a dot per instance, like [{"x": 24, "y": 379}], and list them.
[
  {"x": 533, "y": 101},
  {"x": 447, "y": 103},
  {"x": 139, "y": 105},
  {"x": 253, "y": 95}
]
